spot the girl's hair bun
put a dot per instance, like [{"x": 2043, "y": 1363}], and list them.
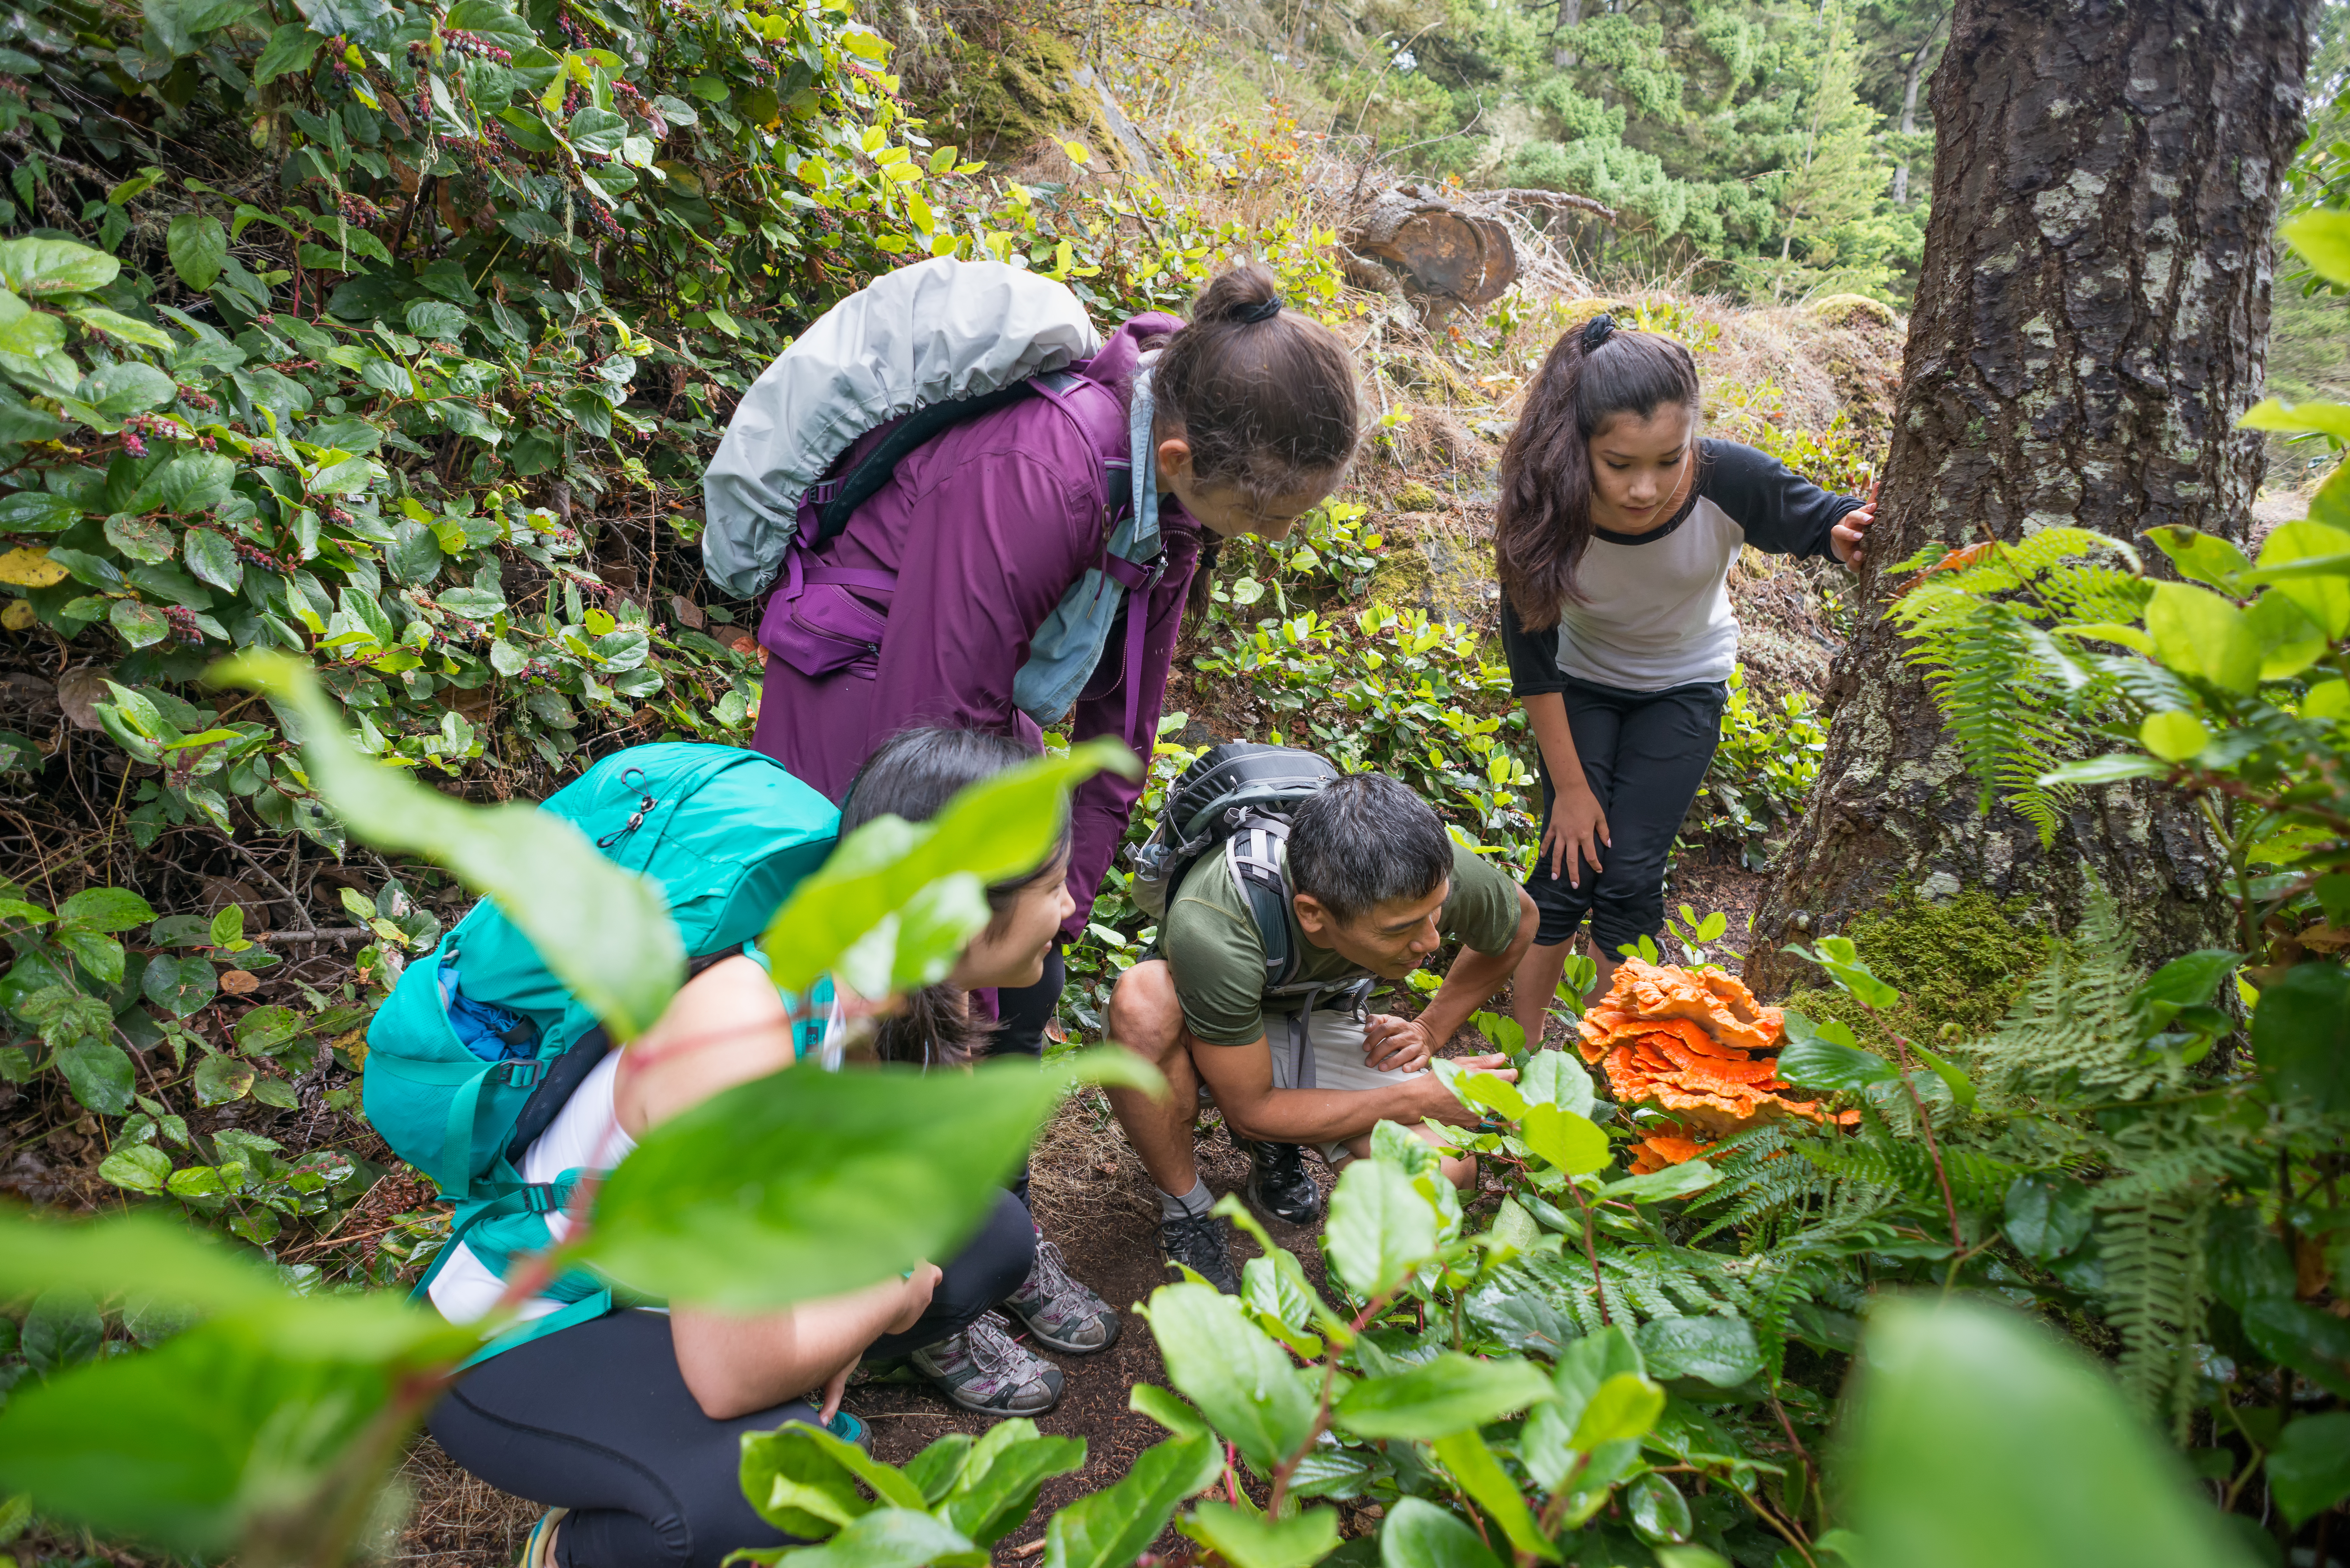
[{"x": 1246, "y": 292}]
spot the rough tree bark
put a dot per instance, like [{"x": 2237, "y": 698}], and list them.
[{"x": 2092, "y": 318}]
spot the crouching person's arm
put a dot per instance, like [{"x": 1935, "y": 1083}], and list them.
[
  {"x": 1241, "y": 1077},
  {"x": 728, "y": 1026}
]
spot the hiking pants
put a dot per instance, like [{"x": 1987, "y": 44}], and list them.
[
  {"x": 596, "y": 1418},
  {"x": 1644, "y": 754}
]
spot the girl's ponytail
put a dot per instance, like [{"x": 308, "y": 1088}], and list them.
[
  {"x": 1264, "y": 397},
  {"x": 1542, "y": 517}
]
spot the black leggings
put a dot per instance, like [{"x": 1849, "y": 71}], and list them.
[
  {"x": 596, "y": 1418},
  {"x": 1644, "y": 754}
]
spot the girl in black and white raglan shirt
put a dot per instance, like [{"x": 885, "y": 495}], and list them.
[{"x": 1618, "y": 525}]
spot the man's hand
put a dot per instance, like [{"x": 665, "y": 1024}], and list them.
[
  {"x": 1392, "y": 1045},
  {"x": 1446, "y": 1107}
]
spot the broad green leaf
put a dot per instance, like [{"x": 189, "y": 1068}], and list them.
[
  {"x": 62, "y": 1330},
  {"x": 1495, "y": 1093},
  {"x": 1252, "y": 1541},
  {"x": 1244, "y": 1382},
  {"x": 2290, "y": 641},
  {"x": 797, "y": 1484},
  {"x": 603, "y": 931},
  {"x": 806, "y": 1184},
  {"x": 2326, "y": 598},
  {"x": 1660, "y": 1514},
  {"x": 2105, "y": 770},
  {"x": 2196, "y": 633},
  {"x": 26, "y": 331},
  {"x": 134, "y": 1253},
  {"x": 101, "y": 1074},
  {"x": 1716, "y": 1350},
  {"x": 140, "y": 1166},
  {"x": 129, "y": 329},
  {"x": 1381, "y": 1229},
  {"x": 212, "y": 559},
  {"x": 1481, "y": 1475},
  {"x": 1573, "y": 1143},
  {"x": 190, "y": 481},
  {"x": 2326, "y": 418},
  {"x": 432, "y": 318},
  {"x": 345, "y": 475},
  {"x": 291, "y": 48},
  {"x": 1417, "y": 1533},
  {"x": 2300, "y": 1036},
  {"x": 179, "y": 986},
  {"x": 1977, "y": 1438},
  {"x": 1110, "y": 1529},
  {"x": 1551, "y": 1077},
  {"x": 2205, "y": 557},
  {"x": 1623, "y": 1408},
  {"x": 2047, "y": 1215},
  {"x": 2322, "y": 238},
  {"x": 222, "y": 1079},
  {"x": 1434, "y": 1398},
  {"x": 2310, "y": 1471},
  {"x": 44, "y": 267},
  {"x": 1002, "y": 1476},
  {"x": 126, "y": 388},
  {"x": 886, "y": 1537},
  {"x": 1954, "y": 1079},
  {"x": 997, "y": 829},
  {"x": 1823, "y": 1056},
  {"x": 2174, "y": 734},
  {"x": 1673, "y": 1181},
  {"x": 104, "y": 910}
]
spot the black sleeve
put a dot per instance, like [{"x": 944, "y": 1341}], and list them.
[
  {"x": 1782, "y": 513},
  {"x": 1533, "y": 656}
]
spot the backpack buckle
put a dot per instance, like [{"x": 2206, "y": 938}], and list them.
[
  {"x": 517, "y": 1075},
  {"x": 540, "y": 1198}
]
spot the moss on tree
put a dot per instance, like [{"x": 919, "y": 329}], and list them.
[{"x": 1958, "y": 961}]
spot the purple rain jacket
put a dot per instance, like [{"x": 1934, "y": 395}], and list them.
[{"x": 985, "y": 528}]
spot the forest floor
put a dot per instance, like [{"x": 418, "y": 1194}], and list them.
[{"x": 1091, "y": 1197}]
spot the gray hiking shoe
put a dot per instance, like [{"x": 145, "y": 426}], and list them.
[
  {"x": 1199, "y": 1245},
  {"x": 1061, "y": 1315},
  {"x": 983, "y": 1370}
]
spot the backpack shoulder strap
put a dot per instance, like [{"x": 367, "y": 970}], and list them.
[{"x": 1254, "y": 853}]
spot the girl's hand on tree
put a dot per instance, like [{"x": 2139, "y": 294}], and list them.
[
  {"x": 1578, "y": 827},
  {"x": 1848, "y": 538}
]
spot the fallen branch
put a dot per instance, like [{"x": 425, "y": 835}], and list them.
[
  {"x": 1529, "y": 198},
  {"x": 334, "y": 934}
]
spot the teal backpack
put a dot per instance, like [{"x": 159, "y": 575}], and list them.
[{"x": 478, "y": 1046}]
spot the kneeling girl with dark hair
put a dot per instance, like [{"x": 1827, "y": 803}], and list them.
[
  {"x": 1615, "y": 530},
  {"x": 628, "y": 1426}
]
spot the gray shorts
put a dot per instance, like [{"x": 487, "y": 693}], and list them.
[{"x": 1333, "y": 1059}]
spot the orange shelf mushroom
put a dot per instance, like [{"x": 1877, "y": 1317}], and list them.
[{"x": 1692, "y": 1042}]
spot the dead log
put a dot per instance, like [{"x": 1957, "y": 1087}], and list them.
[{"x": 1442, "y": 251}]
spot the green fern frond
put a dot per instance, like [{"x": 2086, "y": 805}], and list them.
[
  {"x": 2072, "y": 1030},
  {"x": 2153, "y": 1256},
  {"x": 1977, "y": 1180}
]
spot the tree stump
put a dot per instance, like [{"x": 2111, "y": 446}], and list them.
[{"x": 1445, "y": 254}]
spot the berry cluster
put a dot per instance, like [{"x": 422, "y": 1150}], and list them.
[
  {"x": 458, "y": 41},
  {"x": 203, "y": 401},
  {"x": 601, "y": 216},
  {"x": 267, "y": 319},
  {"x": 155, "y": 425},
  {"x": 265, "y": 455},
  {"x": 360, "y": 210},
  {"x": 253, "y": 554},
  {"x": 183, "y": 623},
  {"x": 287, "y": 366},
  {"x": 337, "y": 516},
  {"x": 133, "y": 444}
]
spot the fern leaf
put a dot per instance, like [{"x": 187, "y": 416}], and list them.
[{"x": 2153, "y": 1256}]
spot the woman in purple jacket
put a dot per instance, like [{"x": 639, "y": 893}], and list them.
[{"x": 960, "y": 560}]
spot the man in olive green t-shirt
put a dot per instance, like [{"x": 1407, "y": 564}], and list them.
[{"x": 1376, "y": 886}]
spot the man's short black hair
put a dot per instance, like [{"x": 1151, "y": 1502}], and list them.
[{"x": 1364, "y": 841}]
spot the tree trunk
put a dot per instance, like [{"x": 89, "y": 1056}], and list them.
[
  {"x": 2091, "y": 321},
  {"x": 1570, "y": 16}
]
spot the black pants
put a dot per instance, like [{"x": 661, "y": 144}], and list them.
[
  {"x": 1644, "y": 755},
  {"x": 596, "y": 1418},
  {"x": 1023, "y": 1014}
]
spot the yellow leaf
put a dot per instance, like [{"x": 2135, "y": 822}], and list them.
[
  {"x": 1076, "y": 151},
  {"x": 29, "y": 566},
  {"x": 19, "y": 614}
]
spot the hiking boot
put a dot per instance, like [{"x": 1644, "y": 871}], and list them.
[
  {"x": 1061, "y": 1315},
  {"x": 538, "y": 1546},
  {"x": 1278, "y": 1184},
  {"x": 984, "y": 1370},
  {"x": 1199, "y": 1245}
]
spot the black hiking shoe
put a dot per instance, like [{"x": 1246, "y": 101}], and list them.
[
  {"x": 1199, "y": 1245},
  {"x": 1278, "y": 1184}
]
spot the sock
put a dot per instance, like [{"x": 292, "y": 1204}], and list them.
[{"x": 1193, "y": 1204}]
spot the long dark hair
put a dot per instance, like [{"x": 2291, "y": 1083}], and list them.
[
  {"x": 1265, "y": 396},
  {"x": 1543, "y": 521},
  {"x": 913, "y": 775}
]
